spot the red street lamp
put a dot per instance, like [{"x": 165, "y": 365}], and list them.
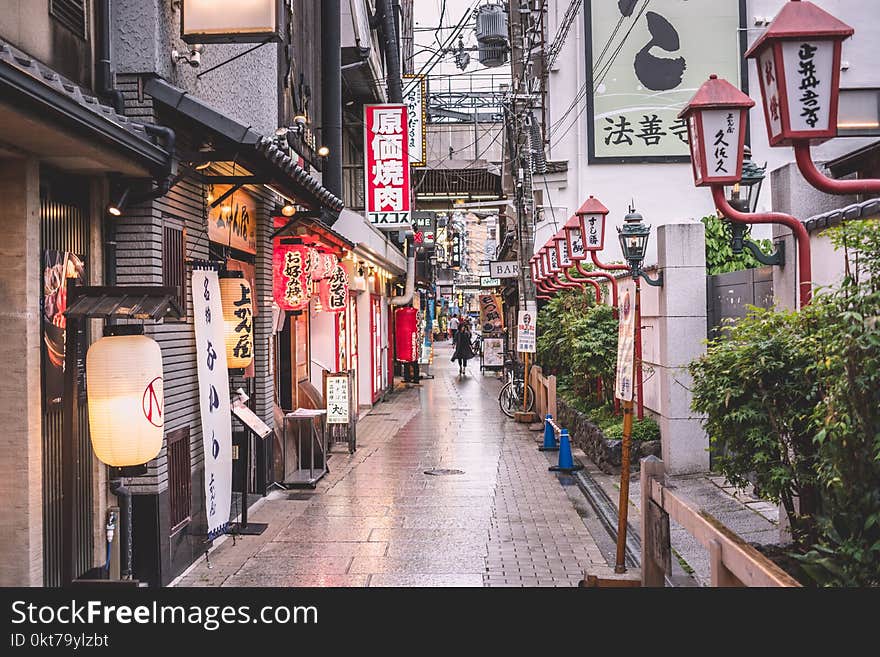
[
  {"x": 716, "y": 120},
  {"x": 798, "y": 59}
]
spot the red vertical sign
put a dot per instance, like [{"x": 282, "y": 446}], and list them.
[{"x": 386, "y": 166}]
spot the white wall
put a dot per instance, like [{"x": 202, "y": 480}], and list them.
[{"x": 665, "y": 192}]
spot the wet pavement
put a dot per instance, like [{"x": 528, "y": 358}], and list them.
[{"x": 377, "y": 518}]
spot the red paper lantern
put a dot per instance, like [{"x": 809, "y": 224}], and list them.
[
  {"x": 406, "y": 334},
  {"x": 334, "y": 290},
  {"x": 291, "y": 276}
]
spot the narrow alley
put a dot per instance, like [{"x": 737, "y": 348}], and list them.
[{"x": 377, "y": 518}]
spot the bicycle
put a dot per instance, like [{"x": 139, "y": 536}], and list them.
[{"x": 510, "y": 398}]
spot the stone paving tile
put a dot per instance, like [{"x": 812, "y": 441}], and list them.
[
  {"x": 298, "y": 580},
  {"x": 420, "y": 564},
  {"x": 397, "y": 579},
  {"x": 323, "y": 549},
  {"x": 376, "y": 519},
  {"x": 292, "y": 565}
]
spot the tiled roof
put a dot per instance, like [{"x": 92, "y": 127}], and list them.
[
  {"x": 20, "y": 61},
  {"x": 863, "y": 210}
]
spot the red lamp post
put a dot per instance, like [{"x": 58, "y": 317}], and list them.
[
  {"x": 592, "y": 217},
  {"x": 798, "y": 58},
  {"x": 538, "y": 278},
  {"x": 716, "y": 120}
]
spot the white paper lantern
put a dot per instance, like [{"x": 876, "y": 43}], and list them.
[
  {"x": 238, "y": 321},
  {"x": 126, "y": 399}
]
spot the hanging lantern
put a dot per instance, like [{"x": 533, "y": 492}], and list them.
[
  {"x": 329, "y": 262},
  {"x": 561, "y": 247},
  {"x": 291, "y": 276},
  {"x": 316, "y": 264},
  {"x": 590, "y": 218},
  {"x": 798, "y": 58},
  {"x": 334, "y": 291},
  {"x": 238, "y": 313},
  {"x": 125, "y": 399},
  {"x": 716, "y": 120}
]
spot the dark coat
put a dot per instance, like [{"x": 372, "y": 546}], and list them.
[{"x": 463, "y": 349}]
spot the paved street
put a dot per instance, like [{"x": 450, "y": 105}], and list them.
[{"x": 378, "y": 520}]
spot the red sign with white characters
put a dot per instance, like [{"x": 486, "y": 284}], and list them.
[{"x": 386, "y": 166}]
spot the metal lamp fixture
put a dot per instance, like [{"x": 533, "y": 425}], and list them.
[
  {"x": 634, "y": 243},
  {"x": 799, "y": 62},
  {"x": 117, "y": 206},
  {"x": 743, "y": 195},
  {"x": 716, "y": 120}
]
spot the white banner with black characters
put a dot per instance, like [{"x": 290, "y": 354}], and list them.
[{"x": 213, "y": 398}]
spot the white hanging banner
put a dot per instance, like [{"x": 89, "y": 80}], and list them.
[
  {"x": 623, "y": 385},
  {"x": 213, "y": 398}
]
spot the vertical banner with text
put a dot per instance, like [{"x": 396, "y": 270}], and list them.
[
  {"x": 386, "y": 166},
  {"x": 623, "y": 386},
  {"x": 213, "y": 398}
]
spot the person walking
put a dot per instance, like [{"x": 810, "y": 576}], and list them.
[
  {"x": 463, "y": 349},
  {"x": 453, "y": 327}
]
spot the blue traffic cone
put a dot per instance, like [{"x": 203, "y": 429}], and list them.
[
  {"x": 549, "y": 436},
  {"x": 566, "y": 462}
]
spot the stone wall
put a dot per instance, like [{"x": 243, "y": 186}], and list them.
[{"x": 605, "y": 453}]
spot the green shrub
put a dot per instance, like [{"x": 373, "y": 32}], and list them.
[
  {"x": 720, "y": 258},
  {"x": 646, "y": 429},
  {"x": 793, "y": 400}
]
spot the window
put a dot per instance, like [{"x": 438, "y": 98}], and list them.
[
  {"x": 174, "y": 262},
  {"x": 859, "y": 113},
  {"x": 71, "y": 14},
  {"x": 179, "y": 478}
]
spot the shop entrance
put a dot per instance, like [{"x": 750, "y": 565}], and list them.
[{"x": 65, "y": 254}]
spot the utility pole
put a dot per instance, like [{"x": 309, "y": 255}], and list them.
[{"x": 522, "y": 31}]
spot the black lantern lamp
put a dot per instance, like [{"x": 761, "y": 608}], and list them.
[
  {"x": 634, "y": 244},
  {"x": 743, "y": 195}
]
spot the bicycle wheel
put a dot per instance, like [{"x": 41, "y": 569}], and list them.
[{"x": 508, "y": 399}]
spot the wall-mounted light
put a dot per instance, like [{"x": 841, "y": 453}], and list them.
[
  {"x": 323, "y": 151},
  {"x": 117, "y": 206},
  {"x": 288, "y": 210}
]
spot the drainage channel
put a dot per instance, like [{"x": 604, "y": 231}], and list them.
[{"x": 607, "y": 514}]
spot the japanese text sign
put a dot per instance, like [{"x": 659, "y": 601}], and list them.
[
  {"x": 416, "y": 111},
  {"x": 525, "y": 332},
  {"x": 214, "y": 405},
  {"x": 623, "y": 386},
  {"x": 648, "y": 64},
  {"x": 593, "y": 237},
  {"x": 386, "y": 166},
  {"x": 233, "y": 222},
  {"x": 337, "y": 400},
  {"x": 334, "y": 291},
  {"x": 291, "y": 276}
]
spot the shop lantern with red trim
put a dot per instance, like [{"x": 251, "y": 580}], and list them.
[
  {"x": 798, "y": 58},
  {"x": 716, "y": 120},
  {"x": 552, "y": 258},
  {"x": 560, "y": 244},
  {"x": 334, "y": 291},
  {"x": 590, "y": 220},
  {"x": 533, "y": 266},
  {"x": 291, "y": 276}
]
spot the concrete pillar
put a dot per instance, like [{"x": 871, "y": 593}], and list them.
[
  {"x": 21, "y": 513},
  {"x": 681, "y": 335}
]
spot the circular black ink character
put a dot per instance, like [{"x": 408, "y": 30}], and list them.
[{"x": 660, "y": 73}]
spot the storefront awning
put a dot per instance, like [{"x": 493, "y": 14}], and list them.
[
  {"x": 50, "y": 117},
  {"x": 231, "y": 140}
]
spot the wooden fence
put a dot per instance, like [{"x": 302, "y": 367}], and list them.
[
  {"x": 545, "y": 392},
  {"x": 733, "y": 561}
]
